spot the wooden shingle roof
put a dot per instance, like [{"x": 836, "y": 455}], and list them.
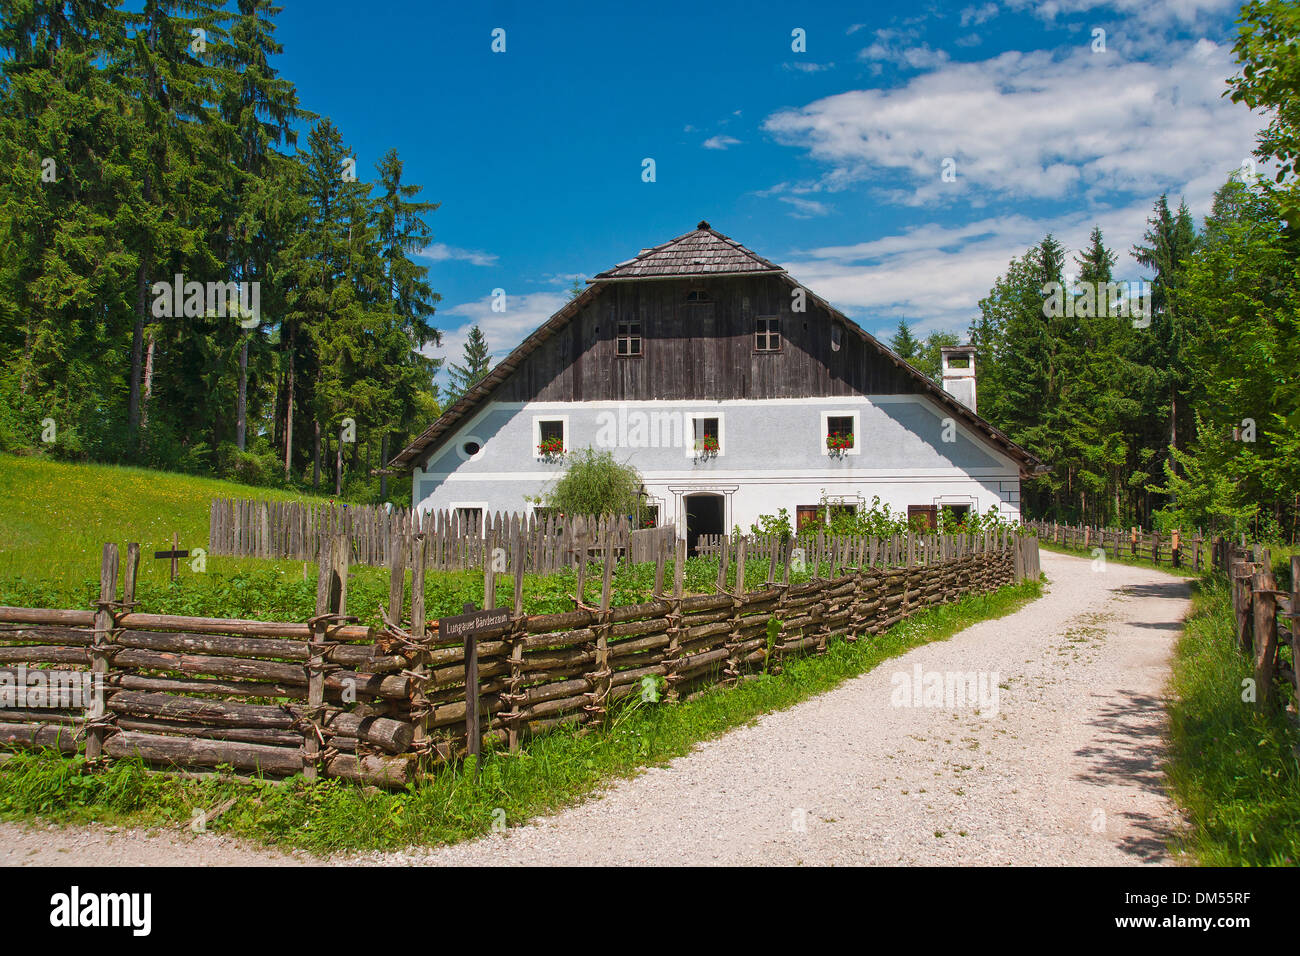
[{"x": 701, "y": 252}]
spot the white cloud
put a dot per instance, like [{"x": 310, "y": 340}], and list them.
[
  {"x": 441, "y": 252},
  {"x": 974, "y": 16},
  {"x": 720, "y": 142},
  {"x": 503, "y": 330},
  {"x": 805, "y": 208},
  {"x": 934, "y": 275},
  {"x": 914, "y": 57},
  {"x": 1155, "y": 12},
  {"x": 1032, "y": 125}
]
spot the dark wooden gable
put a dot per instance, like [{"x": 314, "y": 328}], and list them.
[{"x": 699, "y": 350}]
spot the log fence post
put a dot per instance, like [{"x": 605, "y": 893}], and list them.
[
  {"x": 331, "y": 608},
  {"x": 597, "y": 698},
  {"x": 734, "y": 661},
  {"x": 1264, "y": 601},
  {"x": 420, "y": 708},
  {"x": 513, "y": 717},
  {"x": 101, "y": 652}
]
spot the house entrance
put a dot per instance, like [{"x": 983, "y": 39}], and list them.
[{"x": 705, "y": 514}]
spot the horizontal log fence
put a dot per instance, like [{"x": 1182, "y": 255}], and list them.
[
  {"x": 537, "y": 672},
  {"x": 205, "y": 692},
  {"x": 329, "y": 697},
  {"x": 288, "y": 529}
]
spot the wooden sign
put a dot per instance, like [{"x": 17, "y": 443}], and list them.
[
  {"x": 472, "y": 623},
  {"x": 468, "y": 626}
]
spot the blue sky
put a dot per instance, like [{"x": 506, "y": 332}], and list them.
[{"x": 827, "y": 161}]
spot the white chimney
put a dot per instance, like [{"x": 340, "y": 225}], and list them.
[{"x": 959, "y": 373}]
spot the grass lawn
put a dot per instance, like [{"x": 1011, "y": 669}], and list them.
[
  {"x": 58, "y": 516},
  {"x": 52, "y": 537},
  {"x": 1234, "y": 768}
]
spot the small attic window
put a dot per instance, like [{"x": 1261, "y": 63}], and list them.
[
  {"x": 627, "y": 342},
  {"x": 698, "y": 295},
  {"x": 767, "y": 334}
]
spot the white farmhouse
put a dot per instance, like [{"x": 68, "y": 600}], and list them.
[{"x": 732, "y": 389}]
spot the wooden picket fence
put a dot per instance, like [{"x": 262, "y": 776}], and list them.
[
  {"x": 286, "y": 529},
  {"x": 330, "y": 698}
]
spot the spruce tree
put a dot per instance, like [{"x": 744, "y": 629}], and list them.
[
  {"x": 259, "y": 108},
  {"x": 904, "y": 343},
  {"x": 477, "y": 363},
  {"x": 167, "y": 69}
]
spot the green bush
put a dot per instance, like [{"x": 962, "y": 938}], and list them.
[{"x": 595, "y": 484}]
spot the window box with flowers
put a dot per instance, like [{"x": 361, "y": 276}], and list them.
[
  {"x": 838, "y": 444},
  {"x": 551, "y": 449},
  {"x": 707, "y": 447}
]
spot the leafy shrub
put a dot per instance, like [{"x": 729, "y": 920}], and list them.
[{"x": 595, "y": 484}]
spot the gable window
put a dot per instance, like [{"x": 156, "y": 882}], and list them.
[
  {"x": 706, "y": 432},
  {"x": 839, "y": 434},
  {"x": 767, "y": 333},
  {"x": 551, "y": 436},
  {"x": 628, "y": 340}
]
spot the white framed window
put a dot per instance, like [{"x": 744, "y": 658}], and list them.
[
  {"x": 847, "y": 426},
  {"x": 706, "y": 435},
  {"x": 471, "y": 515},
  {"x": 547, "y": 429}
]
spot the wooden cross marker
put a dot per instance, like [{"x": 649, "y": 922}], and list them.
[{"x": 175, "y": 554}]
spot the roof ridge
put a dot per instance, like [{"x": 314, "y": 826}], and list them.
[{"x": 712, "y": 254}]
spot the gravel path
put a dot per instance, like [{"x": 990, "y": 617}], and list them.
[
  {"x": 48, "y": 845},
  {"x": 1064, "y": 769}
]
